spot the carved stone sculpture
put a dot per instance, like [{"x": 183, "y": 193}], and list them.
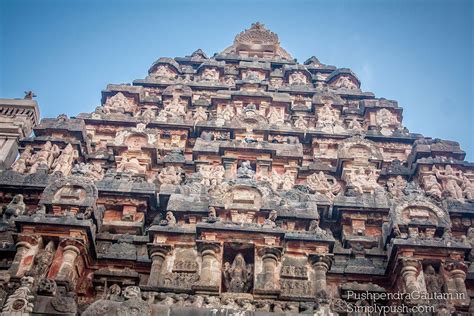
[
  {"x": 21, "y": 301},
  {"x": 245, "y": 170},
  {"x": 396, "y": 186},
  {"x": 63, "y": 163},
  {"x": 170, "y": 175},
  {"x": 363, "y": 180},
  {"x": 318, "y": 182},
  {"x": 451, "y": 182},
  {"x": 14, "y": 209},
  {"x": 270, "y": 220},
  {"x": 43, "y": 261},
  {"x": 23, "y": 162},
  {"x": 237, "y": 277},
  {"x": 169, "y": 220},
  {"x": 45, "y": 157},
  {"x": 328, "y": 121}
]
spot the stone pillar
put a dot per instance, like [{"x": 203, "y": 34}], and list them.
[
  {"x": 267, "y": 279},
  {"x": 456, "y": 283},
  {"x": 27, "y": 246},
  {"x": 321, "y": 265},
  {"x": 17, "y": 119},
  {"x": 158, "y": 255},
  {"x": 229, "y": 166},
  {"x": 71, "y": 249},
  {"x": 210, "y": 276},
  {"x": 409, "y": 272}
]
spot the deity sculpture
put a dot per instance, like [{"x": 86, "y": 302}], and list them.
[
  {"x": 45, "y": 157},
  {"x": 63, "y": 163},
  {"x": 164, "y": 72},
  {"x": 431, "y": 185},
  {"x": 301, "y": 123},
  {"x": 270, "y": 220},
  {"x": 297, "y": 78},
  {"x": 250, "y": 110},
  {"x": 433, "y": 281},
  {"x": 274, "y": 116},
  {"x": 467, "y": 188},
  {"x": 210, "y": 74},
  {"x": 345, "y": 82},
  {"x": 200, "y": 114},
  {"x": 227, "y": 113},
  {"x": 118, "y": 103},
  {"x": 387, "y": 121},
  {"x": 21, "y": 165},
  {"x": 169, "y": 220},
  {"x": 396, "y": 186},
  {"x": 328, "y": 121},
  {"x": 15, "y": 208},
  {"x": 288, "y": 180},
  {"x": 43, "y": 260},
  {"x": 170, "y": 175},
  {"x": 451, "y": 183},
  {"x": 148, "y": 115},
  {"x": 131, "y": 164},
  {"x": 238, "y": 276},
  {"x": 174, "y": 108},
  {"x": 355, "y": 125},
  {"x": 318, "y": 182},
  {"x": 245, "y": 170},
  {"x": 363, "y": 180}
]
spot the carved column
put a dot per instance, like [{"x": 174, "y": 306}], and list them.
[
  {"x": 410, "y": 270},
  {"x": 71, "y": 249},
  {"x": 267, "y": 279},
  {"x": 210, "y": 276},
  {"x": 321, "y": 265},
  {"x": 229, "y": 166},
  {"x": 158, "y": 255},
  {"x": 455, "y": 282},
  {"x": 27, "y": 247}
]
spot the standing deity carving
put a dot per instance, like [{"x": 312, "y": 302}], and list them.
[
  {"x": 238, "y": 276},
  {"x": 63, "y": 163},
  {"x": 21, "y": 165},
  {"x": 170, "y": 175},
  {"x": 450, "y": 182},
  {"x": 396, "y": 186},
  {"x": 297, "y": 78},
  {"x": 43, "y": 261},
  {"x": 45, "y": 157}
]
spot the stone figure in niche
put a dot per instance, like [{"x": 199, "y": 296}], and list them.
[
  {"x": 301, "y": 123},
  {"x": 467, "y": 188},
  {"x": 297, "y": 78},
  {"x": 212, "y": 215},
  {"x": 328, "y": 121},
  {"x": 45, "y": 157},
  {"x": 451, "y": 182},
  {"x": 345, "y": 82},
  {"x": 288, "y": 180},
  {"x": 210, "y": 74},
  {"x": 245, "y": 170},
  {"x": 318, "y": 231},
  {"x": 91, "y": 170},
  {"x": 118, "y": 103},
  {"x": 238, "y": 276},
  {"x": 432, "y": 187},
  {"x": 15, "y": 208},
  {"x": 200, "y": 115},
  {"x": 173, "y": 108},
  {"x": 396, "y": 186},
  {"x": 433, "y": 281},
  {"x": 21, "y": 165},
  {"x": 227, "y": 113},
  {"x": 170, "y": 175},
  {"x": 148, "y": 115},
  {"x": 63, "y": 163},
  {"x": 165, "y": 72},
  {"x": 250, "y": 110},
  {"x": 211, "y": 176},
  {"x": 363, "y": 181},
  {"x": 169, "y": 220},
  {"x": 318, "y": 182},
  {"x": 386, "y": 120},
  {"x": 274, "y": 116},
  {"x": 270, "y": 220},
  {"x": 130, "y": 164},
  {"x": 114, "y": 292},
  {"x": 355, "y": 125},
  {"x": 43, "y": 261}
]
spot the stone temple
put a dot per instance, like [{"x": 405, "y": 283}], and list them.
[{"x": 240, "y": 184}]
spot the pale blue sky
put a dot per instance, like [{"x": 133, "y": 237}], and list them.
[{"x": 417, "y": 52}]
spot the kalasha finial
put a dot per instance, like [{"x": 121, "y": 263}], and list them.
[{"x": 29, "y": 95}]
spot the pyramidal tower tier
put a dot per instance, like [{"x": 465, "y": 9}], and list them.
[{"x": 242, "y": 182}]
